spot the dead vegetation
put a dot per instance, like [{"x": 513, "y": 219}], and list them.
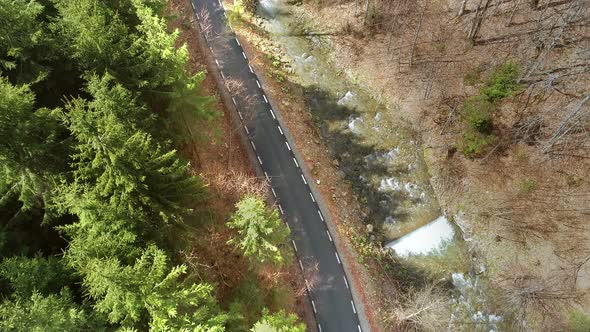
[{"x": 523, "y": 193}]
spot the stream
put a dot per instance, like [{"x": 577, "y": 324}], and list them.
[{"x": 380, "y": 156}]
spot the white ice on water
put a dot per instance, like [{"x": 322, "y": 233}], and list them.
[{"x": 425, "y": 239}]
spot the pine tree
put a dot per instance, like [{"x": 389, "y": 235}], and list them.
[
  {"x": 261, "y": 233},
  {"x": 278, "y": 322}
]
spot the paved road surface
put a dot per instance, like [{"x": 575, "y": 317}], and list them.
[{"x": 329, "y": 289}]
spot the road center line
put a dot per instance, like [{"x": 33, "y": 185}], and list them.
[
  {"x": 303, "y": 178},
  {"x": 337, "y": 257},
  {"x": 288, "y": 146}
]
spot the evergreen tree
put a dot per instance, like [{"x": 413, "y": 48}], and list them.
[
  {"x": 53, "y": 313},
  {"x": 278, "y": 322},
  {"x": 29, "y": 275},
  {"x": 33, "y": 149},
  {"x": 261, "y": 233}
]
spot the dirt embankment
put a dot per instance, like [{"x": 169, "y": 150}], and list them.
[
  {"x": 218, "y": 156},
  {"x": 523, "y": 196}
]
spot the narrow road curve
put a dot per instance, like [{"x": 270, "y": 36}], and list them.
[{"x": 327, "y": 284}]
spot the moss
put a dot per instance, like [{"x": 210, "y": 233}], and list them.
[
  {"x": 579, "y": 322},
  {"x": 527, "y": 185}
]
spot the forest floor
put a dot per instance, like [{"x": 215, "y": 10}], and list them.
[
  {"x": 219, "y": 157},
  {"x": 524, "y": 211}
]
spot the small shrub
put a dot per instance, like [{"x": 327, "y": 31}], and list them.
[
  {"x": 474, "y": 144},
  {"x": 473, "y": 76},
  {"x": 527, "y": 185},
  {"x": 579, "y": 322},
  {"x": 502, "y": 83},
  {"x": 477, "y": 111}
]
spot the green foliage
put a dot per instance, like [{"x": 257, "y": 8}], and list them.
[
  {"x": 477, "y": 111},
  {"x": 53, "y": 313},
  {"x": 579, "y": 322},
  {"x": 473, "y": 76},
  {"x": 148, "y": 287},
  {"x": 502, "y": 83},
  {"x": 247, "y": 304},
  {"x": 278, "y": 322},
  {"x": 475, "y": 144},
  {"x": 32, "y": 150},
  {"x": 26, "y": 275},
  {"x": 261, "y": 232}
]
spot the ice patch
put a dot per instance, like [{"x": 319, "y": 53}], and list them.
[
  {"x": 347, "y": 99},
  {"x": 355, "y": 125},
  {"x": 389, "y": 184},
  {"x": 425, "y": 239}
]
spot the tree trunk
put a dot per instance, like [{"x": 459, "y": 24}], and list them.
[
  {"x": 416, "y": 35},
  {"x": 462, "y": 8}
]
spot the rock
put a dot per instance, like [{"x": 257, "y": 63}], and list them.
[
  {"x": 335, "y": 163},
  {"x": 370, "y": 228},
  {"x": 372, "y": 238},
  {"x": 318, "y": 182}
]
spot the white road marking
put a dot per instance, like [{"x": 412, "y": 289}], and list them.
[
  {"x": 281, "y": 130},
  {"x": 288, "y": 226},
  {"x": 282, "y": 212},
  {"x": 330, "y": 237},
  {"x": 321, "y": 216},
  {"x": 274, "y": 117},
  {"x": 240, "y": 114},
  {"x": 253, "y": 146},
  {"x": 237, "y": 41},
  {"x": 265, "y": 100},
  {"x": 193, "y": 4},
  {"x": 345, "y": 282},
  {"x": 353, "y": 308},
  {"x": 301, "y": 265},
  {"x": 319, "y": 327},
  {"x": 359, "y": 328},
  {"x": 251, "y": 70},
  {"x": 274, "y": 193},
  {"x": 294, "y": 245},
  {"x": 247, "y": 131},
  {"x": 312, "y": 198},
  {"x": 313, "y": 305},
  {"x": 307, "y": 285},
  {"x": 337, "y": 257},
  {"x": 222, "y": 76},
  {"x": 266, "y": 176},
  {"x": 288, "y": 146},
  {"x": 224, "y": 14},
  {"x": 234, "y": 100},
  {"x": 258, "y": 83},
  {"x": 217, "y": 62},
  {"x": 295, "y": 160},
  {"x": 259, "y": 160},
  {"x": 244, "y": 55},
  {"x": 303, "y": 178},
  {"x": 220, "y": 3}
]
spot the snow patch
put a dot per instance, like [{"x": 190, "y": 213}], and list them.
[{"x": 425, "y": 239}]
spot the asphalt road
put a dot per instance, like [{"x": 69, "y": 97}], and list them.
[{"x": 328, "y": 287}]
